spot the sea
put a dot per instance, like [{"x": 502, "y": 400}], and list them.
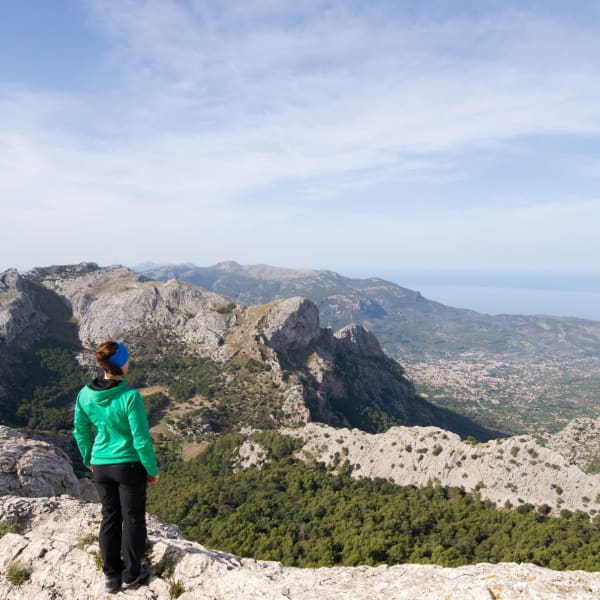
[{"x": 554, "y": 294}]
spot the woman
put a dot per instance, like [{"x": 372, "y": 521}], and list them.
[{"x": 122, "y": 460}]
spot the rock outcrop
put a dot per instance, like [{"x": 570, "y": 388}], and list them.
[
  {"x": 110, "y": 301},
  {"x": 57, "y": 548},
  {"x": 20, "y": 318},
  {"x": 355, "y": 339},
  {"x": 34, "y": 468},
  {"x": 517, "y": 469},
  {"x": 289, "y": 324}
]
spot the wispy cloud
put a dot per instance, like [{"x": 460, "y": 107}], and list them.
[{"x": 205, "y": 110}]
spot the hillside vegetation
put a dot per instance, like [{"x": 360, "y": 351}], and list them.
[{"x": 303, "y": 515}]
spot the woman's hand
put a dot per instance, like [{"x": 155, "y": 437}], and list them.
[{"x": 152, "y": 479}]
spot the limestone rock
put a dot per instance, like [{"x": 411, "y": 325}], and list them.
[
  {"x": 111, "y": 301},
  {"x": 251, "y": 454},
  {"x": 290, "y": 323},
  {"x": 358, "y": 340},
  {"x": 516, "y": 469},
  {"x": 55, "y": 546},
  {"x": 579, "y": 442},
  {"x": 33, "y": 468}
]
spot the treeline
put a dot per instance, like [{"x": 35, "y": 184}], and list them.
[{"x": 304, "y": 516}]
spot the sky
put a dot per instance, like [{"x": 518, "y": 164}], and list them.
[{"x": 362, "y": 136}]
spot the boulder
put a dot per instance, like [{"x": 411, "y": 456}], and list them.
[{"x": 34, "y": 468}]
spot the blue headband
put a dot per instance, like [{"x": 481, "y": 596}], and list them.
[{"x": 120, "y": 357}]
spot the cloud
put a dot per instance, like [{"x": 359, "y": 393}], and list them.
[{"x": 234, "y": 120}]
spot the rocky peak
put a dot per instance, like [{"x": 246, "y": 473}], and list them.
[
  {"x": 358, "y": 340},
  {"x": 108, "y": 302},
  {"x": 9, "y": 279},
  {"x": 290, "y": 323},
  {"x": 61, "y": 271}
]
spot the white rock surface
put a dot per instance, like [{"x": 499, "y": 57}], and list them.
[
  {"x": 110, "y": 301},
  {"x": 291, "y": 322},
  {"x": 517, "y": 469},
  {"x": 252, "y": 454},
  {"x": 62, "y": 566},
  {"x": 579, "y": 442},
  {"x": 34, "y": 468}
]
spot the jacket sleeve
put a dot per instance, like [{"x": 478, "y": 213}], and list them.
[
  {"x": 142, "y": 441},
  {"x": 82, "y": 431}
]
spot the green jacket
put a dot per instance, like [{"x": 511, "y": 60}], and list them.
[{"x": 120, "y": 424}]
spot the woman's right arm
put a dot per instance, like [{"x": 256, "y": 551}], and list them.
[{"x": 82, "y": 431}]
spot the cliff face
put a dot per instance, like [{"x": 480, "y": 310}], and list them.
[
  {"x": 21, "y": 319},
  {"x": 108, "y": 302},
  {"x": 57, "y": 547}
]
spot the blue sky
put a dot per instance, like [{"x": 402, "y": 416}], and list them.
[{"x": 360, "y": 136}]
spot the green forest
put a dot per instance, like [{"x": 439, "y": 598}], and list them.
[
  {"x": 305, "y": 516},
  {"x": 42, "y": 388}
]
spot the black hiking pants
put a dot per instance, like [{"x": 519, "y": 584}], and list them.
[{"x": 122, "y": 491}]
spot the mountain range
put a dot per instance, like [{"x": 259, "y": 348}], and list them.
[
  {"x": 213, "y": 364},
  {"x": 512, "y": 372}
]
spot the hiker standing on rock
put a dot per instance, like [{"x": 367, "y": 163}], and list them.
[{"x": 122, "y": 460}]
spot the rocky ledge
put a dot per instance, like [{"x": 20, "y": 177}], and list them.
[{"x": 57, "y": 548}]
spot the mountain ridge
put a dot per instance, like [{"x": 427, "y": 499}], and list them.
[
  {"x": 515, "y": 372},
  {"x": 272, "y": 363}
]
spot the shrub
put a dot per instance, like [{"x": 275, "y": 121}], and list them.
[
  {"x": 226, "y": 309},
  {"x": 86, "y": 540},
  {"x": 18, "y": 573},
  {"x": 8, "y": 527},
  {"x": 98, "y": 562},
  {"x": 176, "y": 589}
]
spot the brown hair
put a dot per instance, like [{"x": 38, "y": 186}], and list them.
[{"x": 103, "y": 352}]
